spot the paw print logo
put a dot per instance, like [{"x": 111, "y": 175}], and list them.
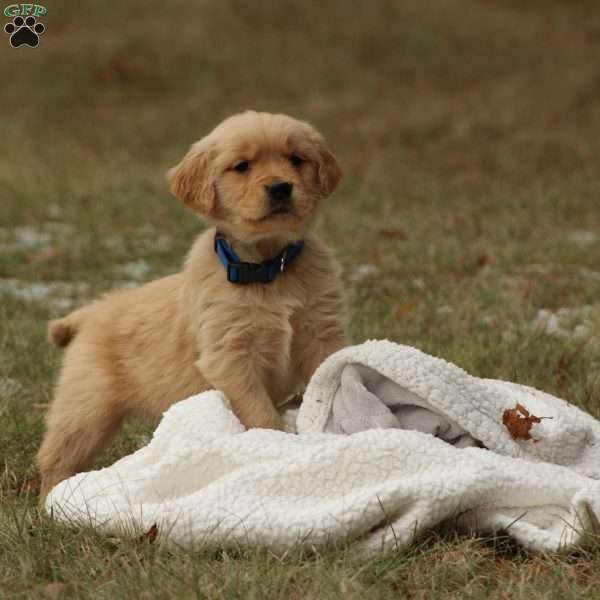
[{"x": 24, "y": 32}]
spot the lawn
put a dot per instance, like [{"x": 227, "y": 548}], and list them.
[{"x": 468, "y": 225}]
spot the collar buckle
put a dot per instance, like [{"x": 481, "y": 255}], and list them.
[{"x": 244, "y": 272}]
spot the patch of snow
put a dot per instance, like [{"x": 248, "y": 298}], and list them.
[
  {"x": 163, "y": 242},
  {"x": 61, "y": 306},
  {"x": 565, "y": 322},
  {"x": 58, "y": 296},
  {"x": 27, "y": 237},
  {"x": 419, "y": 283},
  {"x": 583, "y": 237},
  {"x": 362, "y": 272},
  {"x": 509, "y": 335},
  {"x": 137, "y": 270},
  {"x": 487, "y": 320},
  {"x": 114, "y": 244},
  {"x": 589, "y": 274},
  {"x": 145, "y": 236},
  {"x": 9, "y": 387},
  {"x": 150, "y": 235},
  {"x": 54, "y": 210}
]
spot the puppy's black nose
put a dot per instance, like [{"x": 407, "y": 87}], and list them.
[{"x": 279, "y": 192}]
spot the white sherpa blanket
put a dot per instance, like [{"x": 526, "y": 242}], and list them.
[{"x": 204, "y": 480}]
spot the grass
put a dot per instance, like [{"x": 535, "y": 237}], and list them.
[{"x": 469, "y": 134}]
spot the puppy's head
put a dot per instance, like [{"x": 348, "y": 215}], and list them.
[{"x": 257, "y": 175}]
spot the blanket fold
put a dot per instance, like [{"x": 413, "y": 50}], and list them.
[{"x": 388, "y": 445}]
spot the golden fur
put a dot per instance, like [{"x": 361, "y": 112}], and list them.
[{"x": 138, "y": 351}]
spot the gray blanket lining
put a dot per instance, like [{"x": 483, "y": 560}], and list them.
[{"x": 366, "y": 399}]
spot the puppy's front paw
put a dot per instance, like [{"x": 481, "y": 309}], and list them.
[{"x": 265, "y": 421}]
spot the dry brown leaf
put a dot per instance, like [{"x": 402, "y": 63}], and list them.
[
  {"x": 150, "y": 535},
  {"x": 519, "y": 422},
  {"x": 392, "y": 233},
  {"x": 483, "y": 260}
]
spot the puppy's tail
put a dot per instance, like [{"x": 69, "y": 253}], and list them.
[{"x": 62, "y": 331}]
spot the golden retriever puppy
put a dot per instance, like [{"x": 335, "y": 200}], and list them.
[{"x": 257, "y": 307}]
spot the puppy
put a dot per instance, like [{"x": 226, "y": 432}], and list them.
[{"x": 257, "y": 307}]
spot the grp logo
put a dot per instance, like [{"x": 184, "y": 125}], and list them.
[{"x": 25, "y": 28}]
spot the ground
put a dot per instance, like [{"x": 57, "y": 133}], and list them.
[{"x": 468, "y": 225}]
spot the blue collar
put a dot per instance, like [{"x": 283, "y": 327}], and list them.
[{"x": 245, "y": 272}]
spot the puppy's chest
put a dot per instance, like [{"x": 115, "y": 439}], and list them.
[
  {"x": 279, "y": 312},
  {"x": 278, "y": 318},
  {"x": 254, "y": 314}
]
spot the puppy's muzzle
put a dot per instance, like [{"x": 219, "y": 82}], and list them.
[{"x": 280, "y": 195}]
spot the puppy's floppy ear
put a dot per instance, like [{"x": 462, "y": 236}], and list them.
[
  {"x": 329, "y": 172},
  {"x": 192, "y": 180}
]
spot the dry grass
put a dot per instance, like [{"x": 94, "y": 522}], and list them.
[{"x": 469, "y": 132}]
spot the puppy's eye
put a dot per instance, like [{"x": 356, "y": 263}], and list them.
[
  {"x": 296, "y": 160},
  {"x": 242, "y": 166}
]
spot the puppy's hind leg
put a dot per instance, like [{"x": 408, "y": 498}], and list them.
[{"x": 86, "y": 412}]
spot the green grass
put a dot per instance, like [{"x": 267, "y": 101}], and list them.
[{"x": 469, "y": 134}]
